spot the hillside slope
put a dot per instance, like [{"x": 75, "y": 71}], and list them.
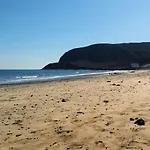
[{"x": 105, "y": 56}]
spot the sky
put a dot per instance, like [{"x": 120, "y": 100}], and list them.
[{"x": 34, "y": 33}]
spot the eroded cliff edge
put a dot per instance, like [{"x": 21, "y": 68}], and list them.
[{"x": 105, "y": 56}]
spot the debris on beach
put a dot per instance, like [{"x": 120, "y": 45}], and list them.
[
  {"x": 64, "y": 131},
  {"x": 64, "y": 100},
  {"x": 140, "y": 122},
  {"x": 116, "y": 84},
  {"x": 18, "y": 135},
  {"x": 132, "y": 119},
  {"x": 106, "y": 101},
  {"x": 80, "y": 112},
  {"x": 17, "y": 122}
]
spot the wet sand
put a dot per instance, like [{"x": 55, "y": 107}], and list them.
[{"x": 95, "y": 113}]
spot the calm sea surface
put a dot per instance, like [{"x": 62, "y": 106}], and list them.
[{"x": 26, "y": 76}]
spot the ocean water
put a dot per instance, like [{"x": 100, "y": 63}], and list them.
[{"x": 27, "y": 76}]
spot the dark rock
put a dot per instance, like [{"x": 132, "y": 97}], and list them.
[
  {"x": 9, "y": 133},
  {"x": 114, "y": 84},
  {"x": 98, "y": 142},
  {"x": 139, "y": 122},
  {"x": 131, "y": 119},
  {"x": 106, "y": 101},
  {"x": 64, "y": 100},
  {"x": 105, "y": 56},
  {"x": 53, "y": 143},
  {"x": 64, "y": 131},
  {"x": 80, "y": 112},
  {"x": 33, "y": 132},
  {"x": 24, "y": 107},
  {"x": 18, "y": 135},
  {"x": 107, "y": 124},
  {"x": 17, "y": 122}
]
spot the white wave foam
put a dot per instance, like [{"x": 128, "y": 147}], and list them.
[
  {"x": 29, "y": 77},
  {"x": 18, "y": 77},
  {"x": 26, "y": 77}
]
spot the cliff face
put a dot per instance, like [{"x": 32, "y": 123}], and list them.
[{"x": 105, "y": 56}]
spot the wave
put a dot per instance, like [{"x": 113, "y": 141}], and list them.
[
  {"x": 36, "y": 78},
  {"x": 26, "y": 77}
]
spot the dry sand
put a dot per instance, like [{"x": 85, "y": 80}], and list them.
[{"x": 89, "y": 114}]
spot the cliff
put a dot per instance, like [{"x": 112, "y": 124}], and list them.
[{"x": 105, "y": 56}]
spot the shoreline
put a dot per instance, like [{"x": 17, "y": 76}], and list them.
[{"x": 115, "y": 72}]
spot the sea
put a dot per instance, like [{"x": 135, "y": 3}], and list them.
[{"x": 31, "y": 76}]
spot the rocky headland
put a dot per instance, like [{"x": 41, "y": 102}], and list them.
[{"x": 105, "y": 56}]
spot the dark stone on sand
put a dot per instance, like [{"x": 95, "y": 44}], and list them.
[
  {"x": 64, "y": 100},
  {"x": 24, "y": 107},
  {"x": 107, "y": 124},
  {"x": 64, "y": 131},
  {"x": 114, "y": 84},
  {"x": 18, "y": 135},
  {"x": 32, "y": 95},
  {"x": 106, "y": 101},
  {"x": 131, "y": 119},
  {"x": 139, "y": 122},
  {"x": 98, "y": 142},
  {"x": 17, "y": 122},
  {"x": 80, "y": 112},
  {"x": 9, "y": 133},
  {"x": 33, "y": 132}
]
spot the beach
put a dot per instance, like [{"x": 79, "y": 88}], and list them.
[{"x": 92, "y": 113}]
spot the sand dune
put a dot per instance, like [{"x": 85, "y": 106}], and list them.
[{"x": 95, "y": 113}]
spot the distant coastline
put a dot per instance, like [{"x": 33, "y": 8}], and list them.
[{"x": 122, "y": 56}]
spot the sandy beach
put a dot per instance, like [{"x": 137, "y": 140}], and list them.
[{"x": 95, "y": 113}]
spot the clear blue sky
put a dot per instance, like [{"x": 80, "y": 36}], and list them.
[{"x": 36, "y": 32}]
